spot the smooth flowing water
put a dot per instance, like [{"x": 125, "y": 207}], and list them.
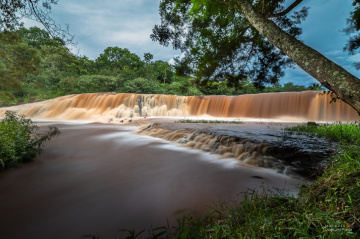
[
  {"x": 105, "y": 107},
  {"x": 97, "y": 179}
]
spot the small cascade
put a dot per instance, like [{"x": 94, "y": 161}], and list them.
[
  {"x": 293, "y": 156},
  {"x": 116, "y": 107}
]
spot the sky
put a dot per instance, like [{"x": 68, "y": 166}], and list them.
[{"x": 98, "y": 24}]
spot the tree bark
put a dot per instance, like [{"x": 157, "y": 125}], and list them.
[{"x": 345, "y": 85}]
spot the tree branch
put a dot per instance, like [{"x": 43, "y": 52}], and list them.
[
  {"x": 39, "y": 19},
  {"x": 286, "y": 11}
]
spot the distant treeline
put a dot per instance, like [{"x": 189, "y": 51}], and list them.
[{"x": 35, "y": 66}]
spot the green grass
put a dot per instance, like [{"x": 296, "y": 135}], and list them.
[
  {"x": 343, "y": 133},
  {"x": 210, "y": 121}
]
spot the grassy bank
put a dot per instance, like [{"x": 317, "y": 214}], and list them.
[{"x": 329, "y": 207}]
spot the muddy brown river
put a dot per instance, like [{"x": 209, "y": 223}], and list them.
[{"x": 99, "y": 178}]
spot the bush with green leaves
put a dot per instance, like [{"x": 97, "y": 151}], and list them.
[
  {"x": 182, "y": 86},
  {"x": 19, "y": 140},
  {"x": 96, "y": 83},
  {"x": 142, "y": 86}
]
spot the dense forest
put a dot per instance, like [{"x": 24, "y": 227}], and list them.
[{"x": 35, "y": 66}]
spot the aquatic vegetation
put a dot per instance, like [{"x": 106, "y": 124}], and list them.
[
  {"x": 210, "y": 121},
  {"x": 19, "y": 140}
]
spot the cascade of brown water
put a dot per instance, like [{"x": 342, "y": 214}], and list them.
[{"x": 294, "y": 106}]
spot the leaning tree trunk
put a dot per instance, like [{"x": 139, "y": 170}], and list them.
[{"x": 329, "y": 74}]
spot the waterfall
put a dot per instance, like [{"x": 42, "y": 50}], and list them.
[{"x": 289, "y": 106}]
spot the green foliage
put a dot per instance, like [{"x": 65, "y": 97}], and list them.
[
  {"x": 43, "y": 68},
  {"x": 96, "y": 83},
  {"x": 265, "y": 215},
  {"x": 343, "y": 133},
  {"x": 158, "y": 70},
  {"x": 17, "y": 60},
  {"x": 56, "y": 63},
  {"x": 218, "y": 42},
  {"x": 290, "y": 87},
  {"x": 353, "y": 30},
  {"x": 183, "y": 86},
  {"x": 37, "y": 37},
  {"x": 19, "y": 141},
  {"x": 217, "y": 88},
  {"x": 210, "y": 121},
  {"x": 142, "y": 86},
  {"x": 115, "y": 59},
  {"x": 148, "y": 57}
]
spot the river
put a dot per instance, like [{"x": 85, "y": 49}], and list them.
[{"x": 99, "y": 178}]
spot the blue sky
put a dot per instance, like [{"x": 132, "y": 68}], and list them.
[
  {"x": 322, "y": 30},
  {"x": 98, "y": 24}
]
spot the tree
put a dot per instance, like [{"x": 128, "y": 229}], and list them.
[
  {"x": 56, "y": 63},
  {"x": 148, "y": 57},
  {"x": 115, "y": 59},
  {"x": 37, "y": 37},
  {"x": 183, "y": 86},
  {"x": 354, "y": 30},
  {"x": 267, "y": 18},
  {"x": 12, "y": 11},
  {"x": 82, "y": 66},
  {"x": 162, "y": 71},
  {"x": 220, "y": 44},
  {"x": 142, "y": 86},
  {"x": 25, "y": 57},
  {"x": 96, "y": 83},
  {"x": 17, "y": 59}
]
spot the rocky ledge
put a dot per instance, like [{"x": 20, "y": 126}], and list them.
[{"x": 261, "y": 145}]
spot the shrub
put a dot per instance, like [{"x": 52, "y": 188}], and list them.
[
  {"x": 19, "y": 140},
  {"x": 183, "y": 86},
  {"x": 96, "y": 83},
  {"x": 142, "y": 86}
]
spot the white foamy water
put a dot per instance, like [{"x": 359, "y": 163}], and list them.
[{"x": 119, "y": 107}]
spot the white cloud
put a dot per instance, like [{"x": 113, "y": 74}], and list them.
[
  {"x": 172, "y": 62},
  {"x": 99, "y": 24},
  {"x": 334, "y": 53},
  {"x": 354, "y": 58},
  {"x": 126, "y": 37}
]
